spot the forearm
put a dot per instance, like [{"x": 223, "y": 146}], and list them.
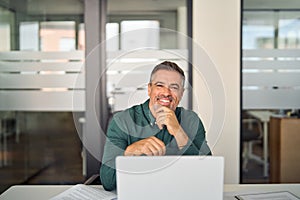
[
  {"x": 108, "y": 168},
  {"x": 108, "y": 177},
  {"x": 193, "y": 149},
  {"x": 114, "y": 146},
  {"x": 181, "y": 138},
  {"x": 192, "y": 145}
]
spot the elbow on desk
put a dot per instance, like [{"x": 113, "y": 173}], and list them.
[{"x": 108, "y": 178}]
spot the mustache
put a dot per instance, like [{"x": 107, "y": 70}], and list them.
[{"x": 164, "y": 97}]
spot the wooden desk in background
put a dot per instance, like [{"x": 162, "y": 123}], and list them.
[{"x": 284, "y": 150}]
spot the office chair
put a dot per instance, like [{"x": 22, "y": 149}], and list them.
[{"x": 252, "y": 133}]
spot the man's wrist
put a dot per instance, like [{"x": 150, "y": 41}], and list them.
[{"x": 181, "y": 138}]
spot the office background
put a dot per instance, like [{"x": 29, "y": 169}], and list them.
[{"x": 36, "y": 137}]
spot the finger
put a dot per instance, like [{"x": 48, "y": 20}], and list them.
[
  {"x": 158, "y": 141},
  {"x": 164, "y": 116},
  {"x": 161, "y": 150},
  {"x": 160, "y": 125},
  {"x": 151, "y": 147},
  {"x": 133, "y": 150},
  {"x": 159, "y": 145},
  {"x": 157, "y": 149},
  {"x": 146, "y": 150},
  {"x": 154, "y": 150},
  {"x": 163, "y": 123},
  {"x": 162, "y": 108},
  {"x": 156, "y": 106},
  {"x": 160, "y": 120},
  {"x": 167, "y": 119}
]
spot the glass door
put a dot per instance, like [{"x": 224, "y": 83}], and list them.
[
  {"x": 138, "y": 38},
  {"x": 39, "y": 63},
  {"x": 270, "y": 74}
]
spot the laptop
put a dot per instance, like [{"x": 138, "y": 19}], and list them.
[{"x": 169, "y": 177}]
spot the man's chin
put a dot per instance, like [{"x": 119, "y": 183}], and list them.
[
  {"x": 157, "y": 104},
  {"x": 170, "y": 106},
  {"x": 165, "y": 105}
]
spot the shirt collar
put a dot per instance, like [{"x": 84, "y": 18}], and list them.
[{"x": 150, "y": 118}]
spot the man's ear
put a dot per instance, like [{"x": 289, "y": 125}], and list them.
[
  {"x": 149, "y": 89},
  {"x": 182, "y": 93}
]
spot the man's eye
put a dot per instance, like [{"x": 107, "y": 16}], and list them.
[
  {"x": 159, "y": 85},
  {"x": 174, "y": 88}
]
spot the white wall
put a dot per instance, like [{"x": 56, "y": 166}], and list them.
[{"x": 216, "y": 28}]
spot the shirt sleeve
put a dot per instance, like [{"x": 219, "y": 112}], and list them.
[
  {"x": 115, "y": 145},
  {"x": 197, "y": 144}
]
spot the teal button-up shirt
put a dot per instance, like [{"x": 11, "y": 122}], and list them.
[{"x": 137, "y": 123}]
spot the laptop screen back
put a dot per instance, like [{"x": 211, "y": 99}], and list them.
[{"x": 170, "y": 177}]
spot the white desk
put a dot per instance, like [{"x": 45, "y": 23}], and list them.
[
  {"x": 264, "y": 116},
  {"x": 40, "y": 192}
]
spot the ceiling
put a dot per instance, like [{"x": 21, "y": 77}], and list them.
[
  {"x": 144, "y": 5},
  {"x": 49, "y": 7},
  {"x": 271, "y": 4},
  {"x": 71, "y": 7}
]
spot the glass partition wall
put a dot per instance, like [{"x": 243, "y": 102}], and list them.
[
  {"x": 138, "y": 38},
  {"x": 139, "y": 35},
  {"x": 39, "y": 61},
  {"x": 42, "y": 65},
  {"x": 270, "y": 87}
]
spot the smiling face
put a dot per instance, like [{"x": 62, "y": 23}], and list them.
[{"x": 165, "y": 89}]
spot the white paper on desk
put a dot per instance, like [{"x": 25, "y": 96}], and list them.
[
  {"x": 84, "y": 192},
  {"x": 268, "y": 196}
]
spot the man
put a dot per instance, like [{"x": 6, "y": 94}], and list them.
[{"x": 155, "y": 128}]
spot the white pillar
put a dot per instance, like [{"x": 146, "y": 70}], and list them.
[
  {"x": 182, "y": 26},
  {"x": 216, "y": 28}
]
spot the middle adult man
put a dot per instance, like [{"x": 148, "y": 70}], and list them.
[{"x": 155, "y": 128}]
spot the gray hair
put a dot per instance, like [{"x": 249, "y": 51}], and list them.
[{"x": 169, "y": 66}]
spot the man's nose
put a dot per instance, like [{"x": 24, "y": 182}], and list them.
[{"x": 166, "y": 90}]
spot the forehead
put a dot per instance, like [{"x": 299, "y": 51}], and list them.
[{"x": 166, "y": 76}]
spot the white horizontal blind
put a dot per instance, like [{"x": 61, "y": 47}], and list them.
[
  {"x": 271, "y": 79},
  {"x": 51, "y": 81},
  {"x": 128, "y": 73},
  {"x": 42, "y": 81}
]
